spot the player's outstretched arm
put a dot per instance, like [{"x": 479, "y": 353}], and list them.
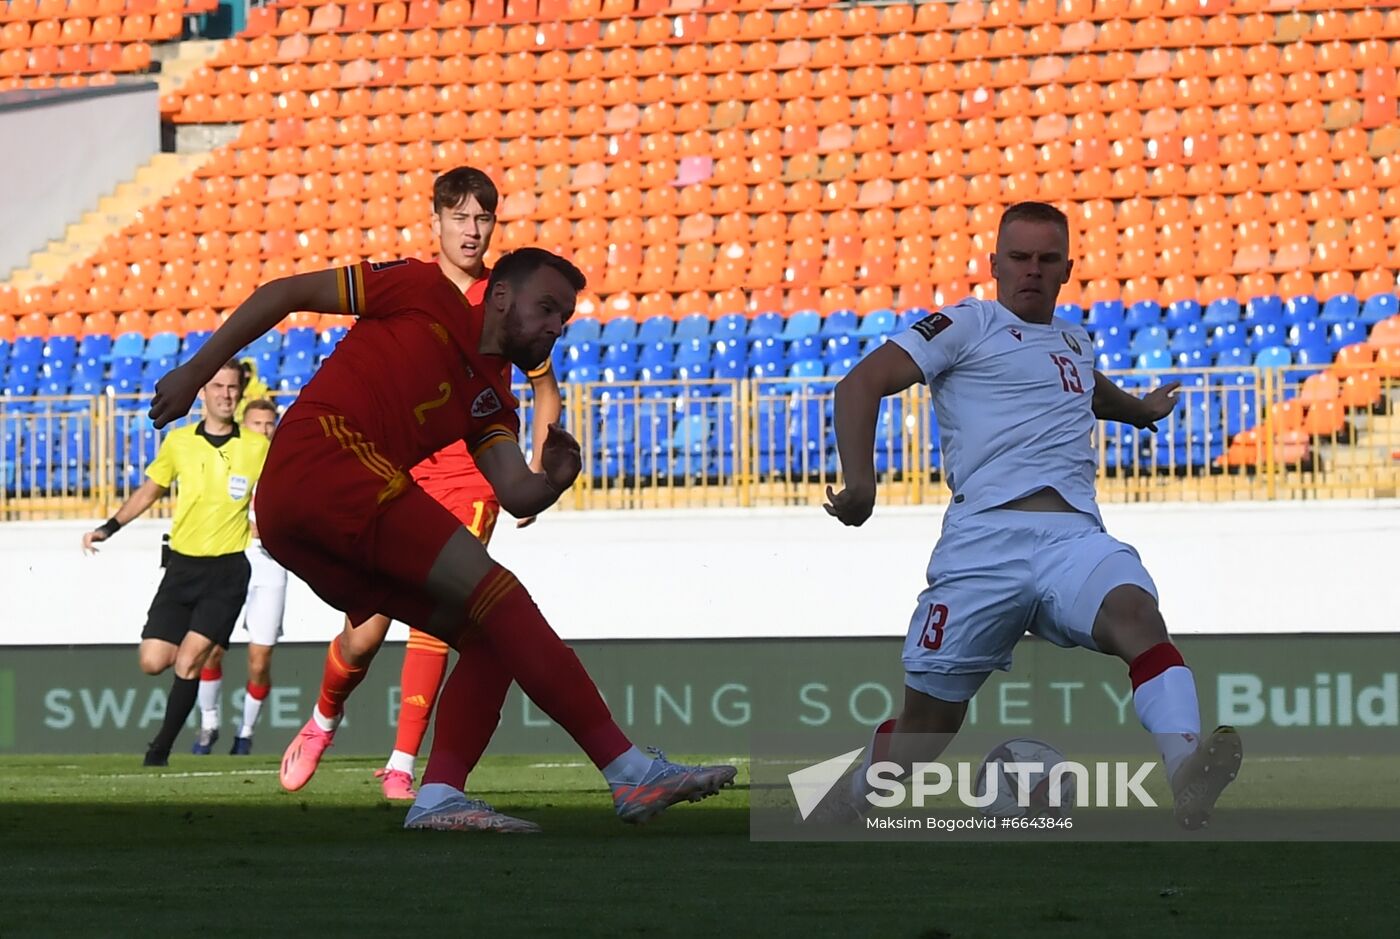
[
  {"x": 1112, "y": 403},
  {"x": 523, "y": 492},
  {"x": 138, "y": 502},
  {"x": 886, "y": 371},
  {"x": 316, "y": 292},
  {"x": 549, "y": 405}
]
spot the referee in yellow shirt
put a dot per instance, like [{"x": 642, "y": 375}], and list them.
[{"x": 206, "y": 574}]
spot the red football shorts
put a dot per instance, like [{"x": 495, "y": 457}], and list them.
[{"x": 357, "y": 529}]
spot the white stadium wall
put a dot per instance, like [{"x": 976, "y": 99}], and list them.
[
  {"x": 63, "y": 150},
  {"x": 1245, "y": 568}
]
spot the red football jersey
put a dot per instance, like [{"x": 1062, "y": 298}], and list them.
[
  {"x": 452, "y": 470},
  {"x": 409, "y": 374}
]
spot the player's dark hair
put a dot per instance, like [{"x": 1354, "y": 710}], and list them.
[
  {"x": 513, "y": 268},
  {"x": 1035, "y": 212},
  {"x": 454, "y": 187},
  {"x": 260, "y": 404}
]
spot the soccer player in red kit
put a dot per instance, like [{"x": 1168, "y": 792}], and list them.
[
  {"x": 464, "y": 219},
  {"x": 420, "y": 369}
]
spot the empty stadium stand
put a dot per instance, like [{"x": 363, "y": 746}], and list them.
[{"x": 763, "y": 193}]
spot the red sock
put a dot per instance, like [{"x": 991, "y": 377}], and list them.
[
  {"x": 211, "y": 674},
  {"x": 258, "y": 692},
  {"x": 423, "y": 666},
  {"x": 468, "y": 711},
  {"x": 547, "y": 670},
  {"x": 337, "y": 681}
]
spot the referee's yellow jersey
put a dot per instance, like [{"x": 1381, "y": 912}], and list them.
[{"x": 216, "y": 484}]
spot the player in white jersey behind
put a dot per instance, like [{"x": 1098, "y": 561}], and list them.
[
  {"x": 261, "y": 616},
  {"x": 1023, "y": 547}
]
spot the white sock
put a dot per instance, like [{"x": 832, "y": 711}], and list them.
[
  {"x": 209, "y": 703},
  {"x": 628, "y": 769},
  {"x": 1167, "y": 706},
  {"x": 401, "y": 761},
  {"x": 252, "y": 707},
  {"x": 328, "y": 724},
  {"x": 431, "y": 795}
]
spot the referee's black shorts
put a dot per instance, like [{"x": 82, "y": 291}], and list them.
[{"x": 202, "y": 595}]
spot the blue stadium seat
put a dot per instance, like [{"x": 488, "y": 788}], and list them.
[
  {"x": 730, "y": 326},
  {"x": 293, "y": 382},
  {"x": 804, "y": 349},
  {"x": 621, "y": 329},
  {"x": 730, "y": 368},
  {"x": 583, "y": 353},
  {"x": 838, "y": 323},
  {"x": 1187, "y": 311},
  {"x": 767, "y": 350},
  {"x": 655, "y": 329},
  {"x": 692, "y": 352},
  {"x": 329, "y": 339},
  {"x": 1105, "y": 314},
  {"x": 699, "y": 372},
  {"x": 1222, "y": 312},
  {"x": 1265, "y": 335},
  {"x": 1070, "y": 312},
  {"x": 582, "y": 374},
  {"x": 1341, "y": 335},
  {"x": 1273, "y": 357},
  {"x": 765, "y": 324},
  {"x": 619, "y": 353},
  {"x": 877, "y": 323},
  {"x": 1192, "y": 358},
  {"x": 911, "y": 316},
  {"x": 1181, "y": 314},
  {"x": 1149, "y": 339},
  {"x": 1189, "y": 339},
  {"x": 1155, "y": 360},
  {"x": 194, "y": 341},
  {"x": 95, "y": 346},
  {"x": 1309, "y": 333},
  {"x": 806, "y": 368},
  {"x": 1300, "y": 309},
  {"x": 802, "y": 323},
  {"x": 1111, "y": 361},
  {"x": 1142, "y": 314},
  {"x": 1266, "y": 309},
  {"x": 1111, "y": 340},
  {"x": 656, "y": 353},
  {"x": 4, "y": 354},
  {"x": 583, "y": 329},
  {"x": 1343, "y": 308},
  {"x": 128, "y": 345},
  {"x": 164, "y": 346},
  {"x": 840, "y": 367},
  {"x": 300, "y": 365},
  {"x": 1379, "y": 307},
  {"x": 619, "y": 371},
  {"x": 838, "y": 348},
  {"x": 298, "y": 339},
  {"x": 694, "y": 326},
  {"x": 735, "y": 348},
  {"x": 1312, "y": 355}
]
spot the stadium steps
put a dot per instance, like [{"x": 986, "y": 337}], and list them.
[
  {"x": 181, "y": 60},
  {"x": 1379, "y": 438},
  {"x": 152, "y": 182}
]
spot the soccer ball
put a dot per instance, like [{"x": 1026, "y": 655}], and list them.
[{"x": 1008, "y": 803}]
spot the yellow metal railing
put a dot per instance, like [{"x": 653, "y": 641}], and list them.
[{"x": 1237, "y": 434}]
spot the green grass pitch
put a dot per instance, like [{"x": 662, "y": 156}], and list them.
[{"x": 211, "y": 846}]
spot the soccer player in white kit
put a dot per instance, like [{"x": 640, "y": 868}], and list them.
[
  {"x": 1023, "y": 547},
  {"x": 261, "y": 616}
]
